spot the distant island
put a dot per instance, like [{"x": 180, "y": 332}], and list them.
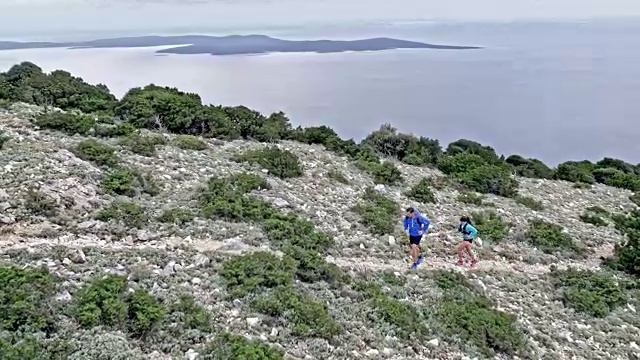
[{"x": 235, "y": 44}]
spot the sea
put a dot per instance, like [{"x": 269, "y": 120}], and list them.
[{"x": 555, "y": 91}]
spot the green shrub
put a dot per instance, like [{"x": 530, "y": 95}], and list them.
[
  {"x": 40, "y": 204},
  {"x": 626, "y": 255},
  {"x": 597, "y": 210},
  {"x": 233, "y": 347},
  {"x": 422, "y": 192},
  {"x": 224, "y": 198},
  {"x": 128, "y": 213},
  {"x": 460, "y": 163},
  {"x": 406, "y": 320},
  {"x": 635, "y": 198},
  {"x": 144, "y": 312},
  {"x": 117, "y": 130},
  {"x": 490, "y": 225},
  {"x": 624, "y": 181},
  {"x": 338, "y": 176},
  {"x": 178, "y": 216},
  {"x": 256, "y": 272},
  {"x": 471, "y": 198},
  {"x": 119, "y": 181},
  {"x": 3, "y": 139},
  {"x": 530, "y": 168},
  {"x": 464, "y": 146},
  {"x": 490, "y": 179},
  {"x": 144, "y": 145},
  {"x": 581, "y": 185},
  {"x": 489, "y": 330},
  {"x": 67, "y": 123},
  {"x": 281, "y": 163},
  {"x": 26, "y": 299},
  {"x": 189, "y": 142},
  {"x": 191, "y": 315},
  {"x": 97, "y": 152},
  {"x": 530, "y": 203},
  {"x": 306, "y": 316},
  {"x": 593, "y": 219},
  {"x": 377, "y": 213},
  {"x": 549, "y": 237},
  {"x": 21, "y": 347},
  {"x": 596, "y": 294},
  {"x": 577, "y": 172},
  {"x": 404, "y": 147},
  {"x": 106, "y": 301}
]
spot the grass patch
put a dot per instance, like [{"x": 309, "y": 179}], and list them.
[
  {"x": 422, "y": 192},
  {"x": 378, "y": 213},
  {"x": 530, "y": 203},
  {"x": 281, "y": 163},
  {"x": 592, "y": 293}
]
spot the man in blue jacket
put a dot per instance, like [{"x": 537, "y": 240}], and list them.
[{"x": 415, "y": 225}]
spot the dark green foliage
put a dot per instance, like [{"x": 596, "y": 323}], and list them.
[
  {"x": 627, "y": 254},
  {"x": 233, "y": 347},
  {"x": 384, "y": 173},
  {"x": 178, "y": 216},
  {"x": 105, "y": 301},
  {"x": 117, "y": 130},
  {"x": 128, "y": 213},
  {"x": 144, "y": 145},
  {"x": 377, "y": 212},
  {"x": 422, "y": 192},
  {"x": 463, "y": 146},
  {"x": 530, "y": 168},
  {"x": 129, "y": 183},
  {"x": 338, "y": 176},
  {"x": 404, "y": 147},
  {"x": 530, "y": 203},
  {"x": 40, "y": 204},
  {"x": 549, "y": 237},
  {"x": 281, "y": 163},
  {"x": 491, "y": 179},
  {"x": 593, "y": 215},
  {"x": 256, "y": 272},
  {"x": 593, "y": 293},
  {"x": 20, "y": 347},
  {"x": 471, "y": 198},
  {"x": 97, "y": 152},
  {"x": 407, "y": 321},
  {"x": 190, "y": 314},
  {"x": 188, "y": 142},
  {"x": 460, "y": 163},
  {"x": 575, "y": 171},
  {"x": 306, "y": 316},
  {"x": 471, "y": 317},
  {"x": 26, "y": 299},
  {"x": 635, "y": 198},
  {"x": 67, "y": 123},
  {"x": 26, "y": 82},
  {"x": 490, "y": 226},
  {"x": 3, "y": 139}
]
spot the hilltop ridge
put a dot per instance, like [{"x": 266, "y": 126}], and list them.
[{"x": 292, "y": 238}]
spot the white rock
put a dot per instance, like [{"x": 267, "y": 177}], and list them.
[
  {"x": 196, "y": 281},
  {"x": 253, "y": 321},
  {"x": 372, "y": 352},
  {"x": 361, "y": 246},
  {"x": 201, "y": 260},
  {"x": 392, "y": 240},
  {"x": 191, "y": 354},
  {"x": 434, "y": 342}
]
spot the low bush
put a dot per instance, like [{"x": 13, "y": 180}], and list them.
[
  {"x": 190, "y": 314},
  {"x": 471, "y": 198},
  {"x": 3, "y": 139},
  {"x": 491, "y": 179},
  {"x": 460, "y": 163},
  {"x": 530, "y": 168},
  {"x": 338, "y": 176},
  {"x": 404, "y": 147},
  {"x": 626, "y": 255},
  {"x": 97, "y": 152},
  {"x": 144, "y": 145},
  {"x": 635, "y": 198},
  {"x": 39, "y": 204},
  {"x": 490, "y": 225},
  {"x": 549, "y": 237},
  {"x": 422, "y": 192},
  {"x": 488, "y": 330},
  {"x": 406, "y": 320},
  {"x": 66, "y": 122},
  {"x": 106, "y": 301},
  {"x": 306, "y": 316},
  {"x": 117, "y": 130},
  {"x": 128, "y": 213},
  {"x": 378, "y": 213},
  {"x": 256, "y": 272},
  {"x": 227, "y": 346},
  {"x": 189, "y": 142},
  {"x": 577, "y": 172},
  {"x": 27, "y": 300},
  {"x": 384, "y": 172},
  {"x": 122, "y": 181},
  {"x": 281, "y": 163},
  {"x": 593, "y": 293},
  {"x": 529, "y": 202},
  {"x": 593, "y": 219},
  {"x": 177, "y": 216}
]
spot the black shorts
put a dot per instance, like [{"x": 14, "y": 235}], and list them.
[
  {"x": 470, "y": 241},
  {"x": 415, "y": 240}
]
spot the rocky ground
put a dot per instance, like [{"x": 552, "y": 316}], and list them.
[{"x": 170, "y": 259}]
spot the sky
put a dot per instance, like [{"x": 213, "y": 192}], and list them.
[{"x": 43, "y": 18}]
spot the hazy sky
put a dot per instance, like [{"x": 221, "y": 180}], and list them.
[{"x": 32, "y": 17}]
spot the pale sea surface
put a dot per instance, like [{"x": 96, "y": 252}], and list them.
[{"x": 550, "y": 91}]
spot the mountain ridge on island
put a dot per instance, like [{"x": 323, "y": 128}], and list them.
[{"x": 236, "y": 44}]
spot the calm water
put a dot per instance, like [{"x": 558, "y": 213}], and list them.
[{"x": 550, "y": 91}]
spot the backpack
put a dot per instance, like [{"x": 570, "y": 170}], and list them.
[{"x": 463, "y": 229}]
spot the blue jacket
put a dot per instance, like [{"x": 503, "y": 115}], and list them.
[
  {"x": 416, "y": 224},
  {"x": 469, "y": 232}
]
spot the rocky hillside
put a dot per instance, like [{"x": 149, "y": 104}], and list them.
[{"x": 157, "y": 227}]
